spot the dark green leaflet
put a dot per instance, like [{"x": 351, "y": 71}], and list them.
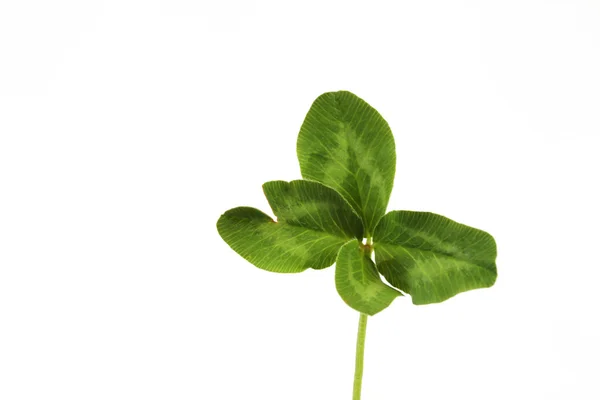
[
  {"x": 358, "y": 282},
  {"x": 314, "y": 206},
  {"x": 313, "y": 223},
  {"x": 432, "y": 257},
  {"x": 345, "y": 144}
]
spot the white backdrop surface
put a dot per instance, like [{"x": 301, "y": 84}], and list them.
[{"x": 128, "y": 127}]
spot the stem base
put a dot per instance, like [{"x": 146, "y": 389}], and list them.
[{"x": 360, "y": 354}]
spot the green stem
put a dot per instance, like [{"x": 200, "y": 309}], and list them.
[{"x": 360, "y": 354}]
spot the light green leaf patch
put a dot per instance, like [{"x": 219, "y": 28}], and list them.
[
  {"x": 358, "y": 282},
  {"x": 313, "y": 223},
  {"x": 432, "y": 257},
  {"x": 345, "y": 144}
]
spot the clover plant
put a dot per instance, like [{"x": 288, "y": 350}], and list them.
[{"x": 337, "y": 214}]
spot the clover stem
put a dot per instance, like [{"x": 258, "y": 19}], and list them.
[{"x": 360, "y": 353}]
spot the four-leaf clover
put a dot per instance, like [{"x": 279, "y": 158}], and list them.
[{"x": 337, "y": 214}]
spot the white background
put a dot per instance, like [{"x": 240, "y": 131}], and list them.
[{"x": 127, "y": 128}]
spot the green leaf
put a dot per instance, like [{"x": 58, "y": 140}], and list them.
[
  {"x": 345, "y": 144},
  {"x": 432, "y": 257},
  {"x": 358, "y": 282},
  {"x": 314, "y": 206},
  {"x": 274, "y": 246},
  {"x": 314, "y": 221}
]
